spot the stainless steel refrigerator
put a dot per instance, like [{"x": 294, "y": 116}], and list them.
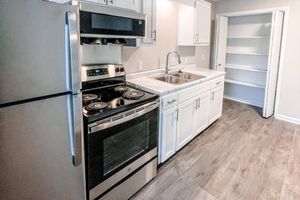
[{"x": 40, "y": 102}]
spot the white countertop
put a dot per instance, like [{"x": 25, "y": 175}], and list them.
[{"x": 144, "y": 81}]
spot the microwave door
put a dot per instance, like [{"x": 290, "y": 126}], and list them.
[{"x": 100, "y": 25}]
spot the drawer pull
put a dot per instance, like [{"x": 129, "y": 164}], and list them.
[
  {"x": 170, "y": 102},
  {"x": 218, "y": 83}
]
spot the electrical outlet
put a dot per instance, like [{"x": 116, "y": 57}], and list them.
[{"x": 140, "y": 65}]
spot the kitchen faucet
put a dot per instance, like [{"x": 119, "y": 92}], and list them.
[{"x": 167, "y": 64}]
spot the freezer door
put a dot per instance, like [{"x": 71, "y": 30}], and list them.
[
  {"x": 33, "y": 53},
  {"x": 36, "y": 150}
]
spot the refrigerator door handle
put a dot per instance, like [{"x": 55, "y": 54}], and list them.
[
  {"x": 72, "y": 51},
  {"x": 75, "y": 129}
]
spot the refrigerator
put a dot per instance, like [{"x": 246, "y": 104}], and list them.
[{"x": 41, "y": 148}]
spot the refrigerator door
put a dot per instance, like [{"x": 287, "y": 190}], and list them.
[
  {"x": 34, "y": 56},
  {"x": 36, "y": 158}
]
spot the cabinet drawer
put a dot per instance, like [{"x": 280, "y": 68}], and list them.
[
  {"x": 193, "y": 91},
  {"x": 169, "y": 100},
  {"x": 217, "y": 82}
]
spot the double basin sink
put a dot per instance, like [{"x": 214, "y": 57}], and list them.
[{"x": 178, "y": 78}]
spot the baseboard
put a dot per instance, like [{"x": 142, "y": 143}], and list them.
[{"x": 288, "y": 119}]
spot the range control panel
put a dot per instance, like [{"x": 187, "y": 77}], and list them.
[{"x": 101, "y": 71}]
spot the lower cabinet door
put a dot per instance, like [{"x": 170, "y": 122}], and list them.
[
  {"x": 185, "y": 130},
  {"x": 200, "y": 117},
  {"x": 168, "y": 133},
  {"x": 216, "y": 103}
]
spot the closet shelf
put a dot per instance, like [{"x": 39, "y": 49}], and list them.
[
  {"x": 246, "y": 68},
  {"x": 245, "y": 101},
  {"x": 244, "y": 83},
  {"x": 250, "y": 54},
  {"x": 248, "y": 37}
]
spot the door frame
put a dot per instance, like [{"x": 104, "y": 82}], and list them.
[{"x": 286, "y": 11}]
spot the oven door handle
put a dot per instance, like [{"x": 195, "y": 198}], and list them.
[{"x": 123, "y": 117}]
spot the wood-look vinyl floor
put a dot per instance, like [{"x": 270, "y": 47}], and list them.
[{"x": 241, "y": 156}]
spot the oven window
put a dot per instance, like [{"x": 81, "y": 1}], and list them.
[
  {"x": 125, "y": 145},
  {"x": 111, "y": 22}
]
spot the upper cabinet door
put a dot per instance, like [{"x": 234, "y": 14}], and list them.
[
  {"x": 149, "y": 9},
  {"x": 128, "y": 4},
  {"x": 186, "y": 25},
  {"x": 202, "y": 23},
  {"x": 194, "y": 24},
  {"x": 273, "y": 64},
  {"x": 220, "y": 43}
]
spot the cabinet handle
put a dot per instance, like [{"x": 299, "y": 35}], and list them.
[
  {"x": 111, "y": 1},
  {"x": 199, "y": 103},
  {"x": 154, "y": 35},
  {"x": 170, "y": 102},
  {"x": 197, "y": 37},
  {"x": 177, "y": 115},
  {"x": 218, "y": 83},
  {"x": 213, "y": 96}
]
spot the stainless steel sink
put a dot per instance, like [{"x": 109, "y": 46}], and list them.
[
  {"x": 187, "y": 75},
  {"x": 171, "y": 79},
  {"x": 179, "y": 77}
]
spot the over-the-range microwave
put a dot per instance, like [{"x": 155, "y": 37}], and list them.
[{"x": 97, "y": 21}]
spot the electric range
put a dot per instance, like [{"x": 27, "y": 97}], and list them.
[{"x": 121, "y": 132}]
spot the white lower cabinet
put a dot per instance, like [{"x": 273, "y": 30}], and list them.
[
  {"x": 169, "y": 130},
  {"x": 187, "y": 113},
  {"x": 216, "y": 103},
  {"x": 201, "y": 112},
  {"x": 185, "y": 123}
]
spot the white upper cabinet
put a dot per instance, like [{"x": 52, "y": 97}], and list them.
[
  {"x": 149, "y": 9},
  {"x": 128, "y": 4},
  {"x": 194, "y": 24},
  {"x": 202, "y": 22}
]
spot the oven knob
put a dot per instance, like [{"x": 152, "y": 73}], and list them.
[
  {"x": 122, "y": 69},
  {"x": 117, "y": 69}
]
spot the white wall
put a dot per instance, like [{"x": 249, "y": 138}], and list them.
[
  {"x": 154, "y": 56},
  {"x": 289, "y": 97}
]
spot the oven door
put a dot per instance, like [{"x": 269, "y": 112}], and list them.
[
  {"x": 111, "y": 26},
  {"x": 119, "y": 145}
]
